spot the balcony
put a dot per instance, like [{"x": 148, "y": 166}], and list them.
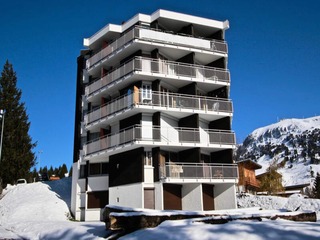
[
  {"x": 162, "y": 136},
  {"x": 157, "y": 36},
  {"x": 161, "y": 102},
  {"x": 175, "y": 70},
  {"x": 177, "y": 172}
]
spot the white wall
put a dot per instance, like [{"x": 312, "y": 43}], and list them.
[
  {"x": 168, "y": 122},
  {"x": 146, "y": 127},
  {"x": 148, "y": 174},
  {"x": 168, "y": 133},
  {"x": 99, "y": 183},
  {"x": 93, "y": 214},
  {"x": 75, "y": 172},
  {"x": 130, "y": 195},
  {"x": 225, "y": 196},
  {"x": 81, "y": 185},
  {"x": 158, "y": 195},
  {"x": 78, "y": 195},
  {"x": 192, "y": 197},
  {"x": 203, "y": 134}
]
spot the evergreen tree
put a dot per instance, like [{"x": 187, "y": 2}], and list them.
[
  {"x": 50, "y": 171},
  {"x": 316, "y": 187},
  {"x": 56, "y": 171},
  {"x": 70, "y": 172},
  {"x": 33, "y": 175},
  {"x": 45, "y": 169},
  {"x": 63, "y": 170},
  {"x": 271, "y": 182},
  {"x": 17, "y": 157}
]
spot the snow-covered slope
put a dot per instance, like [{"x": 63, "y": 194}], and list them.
[
  {"x": 293, "y": 143},
  {"x": 26, "y": 200},
  {"x": 280, "y": 130},
  {"x": 40, "y": 211}
]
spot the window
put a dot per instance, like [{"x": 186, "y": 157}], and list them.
[
  {"x": 98, "y": 169},
  {"x": 148, "y": 158},
  {"x": 146, "y": 93},
  {"x": 83, "y": 172},
  {"x": 98, "y": 199},
  {"x": 104, "y": 168},
  {"x": 94, "y": 169}
]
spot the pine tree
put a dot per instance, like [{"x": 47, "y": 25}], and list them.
[
  {"x": 33, "y": 175},
  {"x": 316, "y": 187},
  {"x": 271, "y": 182},
  {"x": 62, "y": 171},
  {"x": 17, "y": 157},
  {"x": 70, "y": 172},
  {"x": 56, "y": 171},
  {"x": 50, "y": 171}
]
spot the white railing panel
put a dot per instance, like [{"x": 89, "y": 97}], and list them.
[
  {"x": 167, "y": 100},
  {"x": 198, "y": 171},
  {"x": 171, "y": 69},
  {"x": 158, "y": 36},
  {"x": 168, "y": 135}
]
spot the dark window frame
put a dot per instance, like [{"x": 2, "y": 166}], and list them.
[
  {"x": 98, "y": 169},
  {"x": 98, "y": 199},
  {"x": 82, "y": 171}
]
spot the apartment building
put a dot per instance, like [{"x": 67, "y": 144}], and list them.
[{"x": 153, "y": 117}]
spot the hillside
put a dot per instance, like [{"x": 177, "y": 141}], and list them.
[{"x": 293, "y": 143}]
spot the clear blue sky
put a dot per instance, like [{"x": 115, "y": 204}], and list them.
[{"x": 274, "y": 58}]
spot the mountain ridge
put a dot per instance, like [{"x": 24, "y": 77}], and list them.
[{"x": 293, "y": 143}]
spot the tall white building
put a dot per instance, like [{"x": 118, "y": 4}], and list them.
[{"x": 153, "y": 117}]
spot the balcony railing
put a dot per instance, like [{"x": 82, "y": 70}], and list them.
[
  {"x": 161, "y": 135},
  {"x": 198, "y": 171},
  {"x": 164, "y": 100},
  {"x": 168, "y": 68},
  {"x": 120, "y": 42},
  {"x": 155, "y": 35}
]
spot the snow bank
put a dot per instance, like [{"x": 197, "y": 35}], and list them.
[
  {"x": 295, "y": 202},
  {"x": 40, "y": 211},
  {"x": 25, "y": 202}
]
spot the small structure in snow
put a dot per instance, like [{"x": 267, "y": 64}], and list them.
[
  {"x": 54, "y": 178},
  {"x": 247, "y": 177}
]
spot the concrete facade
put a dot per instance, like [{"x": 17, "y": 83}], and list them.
[{"x": 153, "y": 117}]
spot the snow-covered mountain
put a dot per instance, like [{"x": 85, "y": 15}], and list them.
[{"x": 293, "y": 143}]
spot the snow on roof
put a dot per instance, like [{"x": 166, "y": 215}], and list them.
[{"x": 251, "y": 163}]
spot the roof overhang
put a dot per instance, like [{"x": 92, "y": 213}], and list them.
[{"x": 163, "y": 15}]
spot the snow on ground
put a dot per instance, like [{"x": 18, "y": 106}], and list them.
[
  {"x": 40, "y": 211},
  {"x": 296, "y": 202},
  {"x": 235, "y": 230}
]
